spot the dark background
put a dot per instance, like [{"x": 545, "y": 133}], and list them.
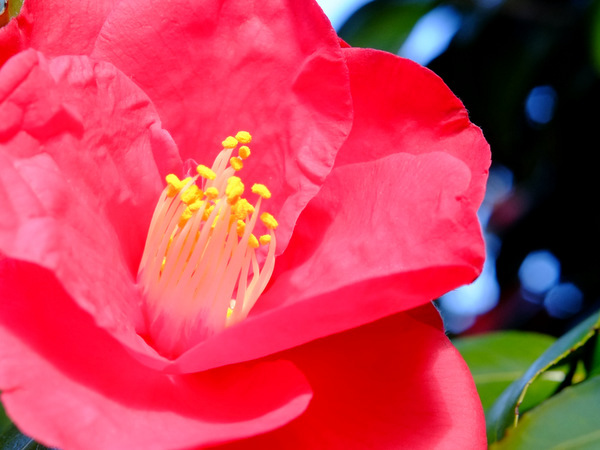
[{"x": 528, "y": 73}]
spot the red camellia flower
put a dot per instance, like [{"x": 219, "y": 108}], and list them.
[{"x": 164, "y": 285}]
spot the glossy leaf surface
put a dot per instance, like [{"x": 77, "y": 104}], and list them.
[
  {"x": 568, "y": 420},
  {"x": 498, "y": 359},
  {"x": 506, "y": 409}
]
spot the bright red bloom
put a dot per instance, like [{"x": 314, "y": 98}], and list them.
[{"x": 376, "y": 174}]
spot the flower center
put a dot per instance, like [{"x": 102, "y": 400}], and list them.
[{"x": 199, "y": 272}]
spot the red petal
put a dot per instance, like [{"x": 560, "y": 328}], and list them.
[
  {"x": 214, "y": 67},
  {"x": 394, "y": 226},
  {"x": 68, "y": 383},
  {"x": 400, "y": 214},
  {"x": 82, "y": 161},
  {"x": 55, "y": 27},
  {"x": 11, "y": 41},
  {"x": 396, "y": 215},
  {"x": 400, "y": 106},
  {"x": 396, "y": 383}
]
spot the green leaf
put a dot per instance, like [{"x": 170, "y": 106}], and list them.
[
  {"x": 569, "y": 420},
  {"x": 593, "y": 363},
  {"x": 506, "y": 410},
  {"x": 4, "y": 420},
  {"x": 14, "y": 7},
  {"x": 10, "y": 10},
  {"x": 384, "y": 24},
  {"x": 498, "y": 359},
  {"x": 13, "y": 439},
  {"x": 595, "y": 37}
]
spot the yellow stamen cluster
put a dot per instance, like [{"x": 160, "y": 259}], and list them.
[{"x": 200, "y": 263}]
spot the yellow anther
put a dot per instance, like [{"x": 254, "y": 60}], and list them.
[
  {"x": 244, "y": 137},
  {"x": 261, "y": 189},
  {"x": 196, "y": 205},
  {"x": 174, "y": 185},
  {"x": 191, "y": 194},
  {"x": 172, "y": 179},
  {"x": 207, "y": 212},
  {"x": 244, "y": 152},
  {"x": 268, "y": 220},
  {"x": 240, "y": 227},
  {"x": 264, "y": 239},
  {"x": 230, "y": 142},
  {"x": 253, "y": 242},
  {"x": 211, "y": 193},
  {"x": 236, "y": 163},
  {"x": 185, "y": 216},
  {"x": 234, "y": 189},
  {"x": 205, "y": 172},
  {"x": 241, "y": 209}
]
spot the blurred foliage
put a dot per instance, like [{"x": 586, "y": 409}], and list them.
[
  {"x": 4, "y": 421},
  {"x": 595, "y": 36},
  {"x": 13, "y": 439},
  {"x": 492, "y": 66},
  {"x": 8, "y": 10},
  {"x": 384, "y": 24},
  {"x": 14, "y": 7}
]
